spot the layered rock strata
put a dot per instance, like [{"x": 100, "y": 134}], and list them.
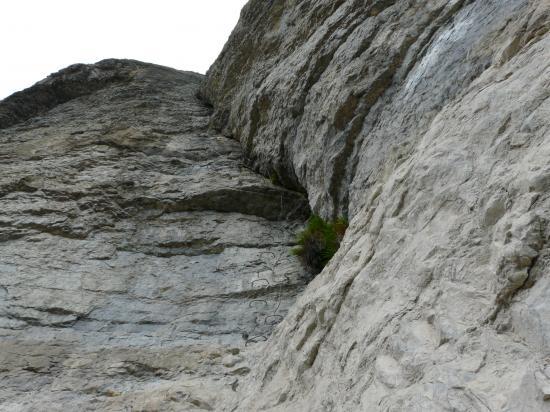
[
  {"x": 138, "y": 255},
  {"x": 141, "y": 254}
]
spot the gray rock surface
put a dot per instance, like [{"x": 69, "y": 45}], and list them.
[
  {"x": 138, "y": 256},
  {"x": 427, "y": 123},
  {"x": 140, "y": 253}
]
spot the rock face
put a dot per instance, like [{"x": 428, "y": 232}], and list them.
[
  {"x": 138, "y": 256},
  {"x": 427, "y": 124}
]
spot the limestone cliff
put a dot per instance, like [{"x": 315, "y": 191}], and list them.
[
  {"x": 138, "y": 256},
  {"x": 145, "y": 255},
  {"x": 427, "y": 123}
]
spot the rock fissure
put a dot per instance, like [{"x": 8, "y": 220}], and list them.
[{"x": 144, "y": 263}]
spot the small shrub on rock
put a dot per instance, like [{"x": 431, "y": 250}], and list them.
[{"x": 318, "y": 242}]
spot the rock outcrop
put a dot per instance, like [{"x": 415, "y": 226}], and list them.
[
  {"x": 138, "y": 255},
  {"x": 144, "y": 253},
  {"x": 427, "y": 124}
]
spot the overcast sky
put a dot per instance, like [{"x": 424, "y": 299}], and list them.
[{"x": 42, "y": 36}]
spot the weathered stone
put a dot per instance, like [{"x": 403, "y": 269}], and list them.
[
  {"x": 426, "y": 122},
  {"x": 136, "y": 249},
  {"x": 140, "y": 256}
]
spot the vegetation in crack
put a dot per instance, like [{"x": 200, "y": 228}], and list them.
[{"x": 318, "y": 242}]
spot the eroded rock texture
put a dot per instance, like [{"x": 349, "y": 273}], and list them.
[
  {"x": 427, "y": 123},
  {"x": 138, "y": 256}
]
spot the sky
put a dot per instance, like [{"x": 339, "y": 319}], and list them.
[{"x": 40, "y": 37}]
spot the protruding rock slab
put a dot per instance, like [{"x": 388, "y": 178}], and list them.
[{"x": 427, "y": 123}]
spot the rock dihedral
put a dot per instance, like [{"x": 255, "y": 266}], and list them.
[
  {"x": 427, "y": 124},
  {"x": 138, "y": 255},
  {"x": 138, "y": 248}
]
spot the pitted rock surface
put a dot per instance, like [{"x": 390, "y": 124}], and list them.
[
  {"x": 140, "y": 253},
  {"x": 427, "y": 124},
  {"x": 137, "y": 253}
]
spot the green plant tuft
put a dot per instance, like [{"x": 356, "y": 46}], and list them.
[
  {"x": 318, "y": 242},
  {"x": 274, "y": 178}
]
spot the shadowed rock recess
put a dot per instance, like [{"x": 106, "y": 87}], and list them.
[{"x": 144, "y": 262}]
